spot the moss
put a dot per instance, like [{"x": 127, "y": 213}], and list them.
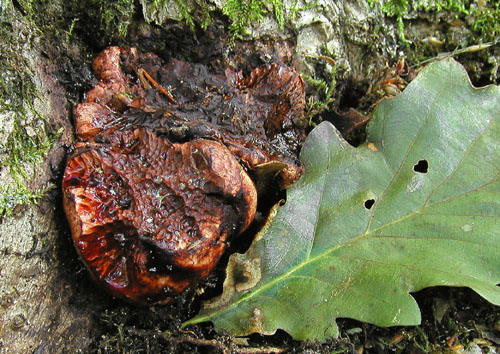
[
  {"x": 243, "y": 12},
  {"x": 400, "y": 9},
  {"x": 115, "y": 16},
  {"x": 294, "y": 9},
  {"x": 321, "y": 100},
  {"x": 487, "y": 22},
  {"x": 485, "y": 16},
  {"x": 13, "y": 195},
  {"x": 466, "y": 28},
  {"x": 101, "y": 20},
  {"x": 22, "y": 148},
  {"x": 158, "y": 11},
  {"x": 25, "y": 141},
  {"x": 186, "y": 14}
]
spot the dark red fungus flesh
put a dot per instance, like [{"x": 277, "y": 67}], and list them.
[
  {"x": 158, "y": 181},
  {"x": 150, "y": 217}
]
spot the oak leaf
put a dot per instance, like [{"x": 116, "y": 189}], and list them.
[{"x": 416, "y": 206}]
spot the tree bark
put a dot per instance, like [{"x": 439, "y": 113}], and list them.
[{"x": 43, "y": 305}]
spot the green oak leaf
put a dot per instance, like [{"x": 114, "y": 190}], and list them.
[{"x": 431, "y": 165}]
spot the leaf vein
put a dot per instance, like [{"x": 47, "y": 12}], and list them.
[
  {"x": 462, "y": 215},
  {"x": 288, "y": 305},
  {"x": 414, "y": 238},
  {"x": 419, "y": 211},
  {"x": 466, "y": 153},
  {"x": 453, "y": 272},
  {"x": 477, "y": 189},
  {"x": 326, "y": 176},
  {"x": 403, "y": 160}
]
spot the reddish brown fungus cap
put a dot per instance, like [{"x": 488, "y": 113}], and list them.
[
  {"x": 156, "y": 185},
  {"x": 149, "y": 217}
]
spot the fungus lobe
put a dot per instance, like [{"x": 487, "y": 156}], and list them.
[
  {"x": 150, "y": 217},
  {"x": 154, "y": 190}
]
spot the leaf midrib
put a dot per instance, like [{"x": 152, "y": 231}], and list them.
[{"x": 256, "y": 292}]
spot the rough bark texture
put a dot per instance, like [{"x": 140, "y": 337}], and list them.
[{"x": 41, "y": 309}]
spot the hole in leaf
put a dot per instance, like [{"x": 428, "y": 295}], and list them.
[
  {"x": 421, "y": 166},
  {"x": 369, "y": 203}
]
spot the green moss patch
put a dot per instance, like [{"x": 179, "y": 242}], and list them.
[
  {"x": 24, "y": 141},
  {"x": 485, "y": 18}
]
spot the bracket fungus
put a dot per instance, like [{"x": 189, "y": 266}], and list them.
[{"x": 162, "y": 175}]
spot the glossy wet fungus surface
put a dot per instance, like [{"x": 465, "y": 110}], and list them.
[{"x": 168, "y": 165}]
